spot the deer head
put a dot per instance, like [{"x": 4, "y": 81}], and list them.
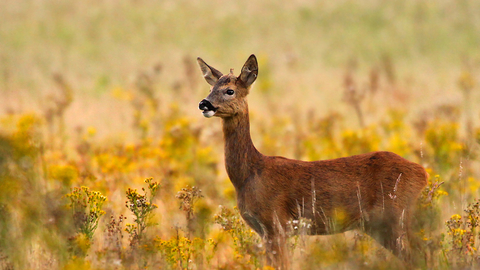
[{"x": 227, "y": 96}]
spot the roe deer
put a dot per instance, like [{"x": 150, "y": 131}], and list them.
[{"x": 375, "y": 192}]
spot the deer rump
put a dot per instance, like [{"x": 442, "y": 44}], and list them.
[{"x": 364, "y": 191}]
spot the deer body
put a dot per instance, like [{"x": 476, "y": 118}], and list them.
[{"x": 374, "y": 192}]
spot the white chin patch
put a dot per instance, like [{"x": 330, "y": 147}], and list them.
[{"x": 208, "y": 114}]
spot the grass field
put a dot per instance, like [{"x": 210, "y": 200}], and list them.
[{"x": 107, "y": 163}]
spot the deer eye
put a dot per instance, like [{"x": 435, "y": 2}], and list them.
[{"x": 230, "y": 92}]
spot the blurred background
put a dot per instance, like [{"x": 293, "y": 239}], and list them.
[{"x": 104, "y": 94}]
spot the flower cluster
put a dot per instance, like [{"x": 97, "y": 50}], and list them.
[
  {"x": 248, "y": 247},
  {"x": 142, "y": 207},
  {"x": 463, "y": 235},
  {"x": 86, "y": 207}
]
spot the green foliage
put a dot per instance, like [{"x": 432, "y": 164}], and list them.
[
  {"x": 443, "y": 139},
  {"x": 362, "y": 141},
  {"x": 185, "y": 253},
  {"x": 86, "y": 208},
  {"x": 246, "y": 242},
  {"x": 427, "y": 221},
  {"x": 25, "y": 206},
  {"x": 462, "y": 238},
  {"x": 188, "y": 197},
  {"x": 142, "y": 207}
]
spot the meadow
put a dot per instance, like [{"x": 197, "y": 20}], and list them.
[{"x": 107, "y": 163}]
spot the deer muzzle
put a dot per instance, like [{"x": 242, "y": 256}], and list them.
[{"x": 207, "y": 108}]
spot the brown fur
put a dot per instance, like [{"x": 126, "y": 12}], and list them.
[{"x": 375, "y": 192}]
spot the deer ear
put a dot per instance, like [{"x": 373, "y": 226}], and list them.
[
  {"x": 249, "y": 71},
  {"x": 210, "y": 74}
]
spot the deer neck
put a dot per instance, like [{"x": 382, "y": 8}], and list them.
[{"x": 241, "y": 156}]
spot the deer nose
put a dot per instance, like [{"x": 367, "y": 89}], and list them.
[{"x": 206, "y": 105}]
